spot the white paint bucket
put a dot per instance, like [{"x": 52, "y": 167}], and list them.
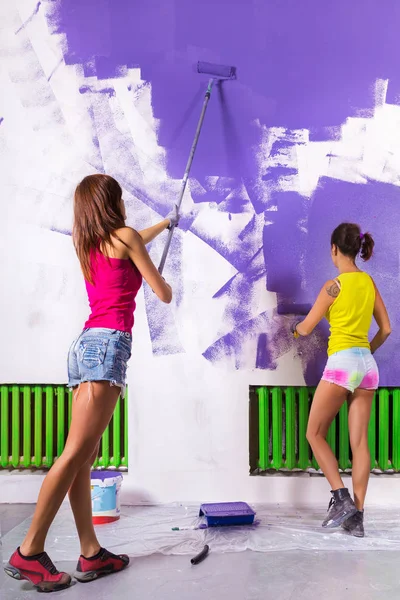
[{"x": 106, "y": 502}]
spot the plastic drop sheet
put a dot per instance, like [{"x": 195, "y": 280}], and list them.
[{"x": 142, "y": 531}]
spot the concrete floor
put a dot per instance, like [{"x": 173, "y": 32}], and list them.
[{"x": 246, "y": 575}]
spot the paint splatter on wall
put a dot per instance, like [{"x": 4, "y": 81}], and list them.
[{"x": 306, "y": 137}]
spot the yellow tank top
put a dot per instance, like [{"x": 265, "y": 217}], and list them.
[{"x": 351, "y": 313}]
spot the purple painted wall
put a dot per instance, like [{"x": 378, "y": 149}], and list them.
[{"x": 301, "y": 64}]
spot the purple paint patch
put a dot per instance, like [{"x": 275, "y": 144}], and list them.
[
  {"x": 323, "y": 134},
  {"x": 29, "y": 19},
  {"x": 284, "y": 243},
  {"x": 55, "y": 69},
  {"x": 240, "y": 284},
  {"x": 319, "y": 90},
  {"x": 63, "y": 231},
  {"x": 275, "y": 172},
  {"x": 275, "y": 341},
  {"x": 263, "y": 359},
  {"x": 96, "y": 159},
  {"x": 108, "y": 91},
  {"x": 173, "y": 36},
  {"x": 312, "y": 354},
  {"x": 163, "y": 331}
]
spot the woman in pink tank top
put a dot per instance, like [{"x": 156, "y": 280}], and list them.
[{"x": 114, "y": 260}]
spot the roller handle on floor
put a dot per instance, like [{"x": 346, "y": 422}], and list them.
[{"x": 200, "y": 557}]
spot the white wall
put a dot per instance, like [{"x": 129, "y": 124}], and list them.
[
  {"x": 188, "y": 419},
  {"x": 188, "y": 429}
]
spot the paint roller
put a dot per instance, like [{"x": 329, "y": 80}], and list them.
[
  {"x": 294, "y": 310},
  {"x": 216, "y": 73},
  {"x": 301, "y": 310}
]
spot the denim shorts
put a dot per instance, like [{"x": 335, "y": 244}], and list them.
[
  {"x": 353, "y": 368},
  {"x": 100, "y": 354}
]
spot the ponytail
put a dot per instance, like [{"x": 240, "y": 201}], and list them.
[{"x": 367, "y": 246}]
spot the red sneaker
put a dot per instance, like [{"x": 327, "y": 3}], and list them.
[
  {"x": 39, "y": 570},
  {"x": 102, "y": 564}
]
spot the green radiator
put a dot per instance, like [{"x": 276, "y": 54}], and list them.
[
  {"x": 278, "y": 424},
  {"x": 34, "y": 422}
]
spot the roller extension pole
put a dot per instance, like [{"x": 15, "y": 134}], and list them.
[{"x": 187, "y": 171}]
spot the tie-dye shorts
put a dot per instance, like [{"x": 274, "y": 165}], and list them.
[{"x": 353, "y": 368}]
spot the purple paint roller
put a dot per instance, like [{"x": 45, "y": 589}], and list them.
[
  {"x": 216, "y": 73},
  {"x": 294, "y": 309}
]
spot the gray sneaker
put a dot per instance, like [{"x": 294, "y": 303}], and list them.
[
  {"x": 355, "y": 525},
  {"x": 341, "y": 507}
]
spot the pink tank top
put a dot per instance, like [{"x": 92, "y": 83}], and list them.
[{"x": 116, "y": 282}]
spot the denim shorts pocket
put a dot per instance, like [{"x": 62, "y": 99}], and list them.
[
  {"x": 125, "y": 348},
  {"x": 92, "y": 351}
]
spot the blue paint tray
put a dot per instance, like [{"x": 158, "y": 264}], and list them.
[{"x": 227, "y": 513}]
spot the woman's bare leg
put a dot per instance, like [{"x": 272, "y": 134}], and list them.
[
  {"x": 80, "y": 498},
  {"x": 359, "y": 414},
  {"x": 92, "y": 410},
  {"x": 327, "y": 402}
]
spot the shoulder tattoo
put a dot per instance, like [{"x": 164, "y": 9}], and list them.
[{"x": 333, "y": 290}]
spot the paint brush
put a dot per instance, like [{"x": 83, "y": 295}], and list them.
[
  {"x": 294, "y": 309},
  {"x": 192, "y": 528}
]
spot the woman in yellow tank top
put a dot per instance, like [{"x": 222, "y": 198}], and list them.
[{"x": 349, "y": 303}]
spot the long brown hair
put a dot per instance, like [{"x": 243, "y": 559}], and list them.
[{"x": 98, "y": 212}]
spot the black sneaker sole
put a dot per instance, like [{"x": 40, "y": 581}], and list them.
[
  {"x": 357, "y": 535},
  {"x": 339, "y": 519},
  {"x": 352, "y": 532},
  {"x": 93, "y": 575},
  {"x": 43, "y": 587}
]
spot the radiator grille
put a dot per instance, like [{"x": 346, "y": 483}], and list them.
[
  {"x": 278, "y": 422},
  {"x": 34, "y": 422}
]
